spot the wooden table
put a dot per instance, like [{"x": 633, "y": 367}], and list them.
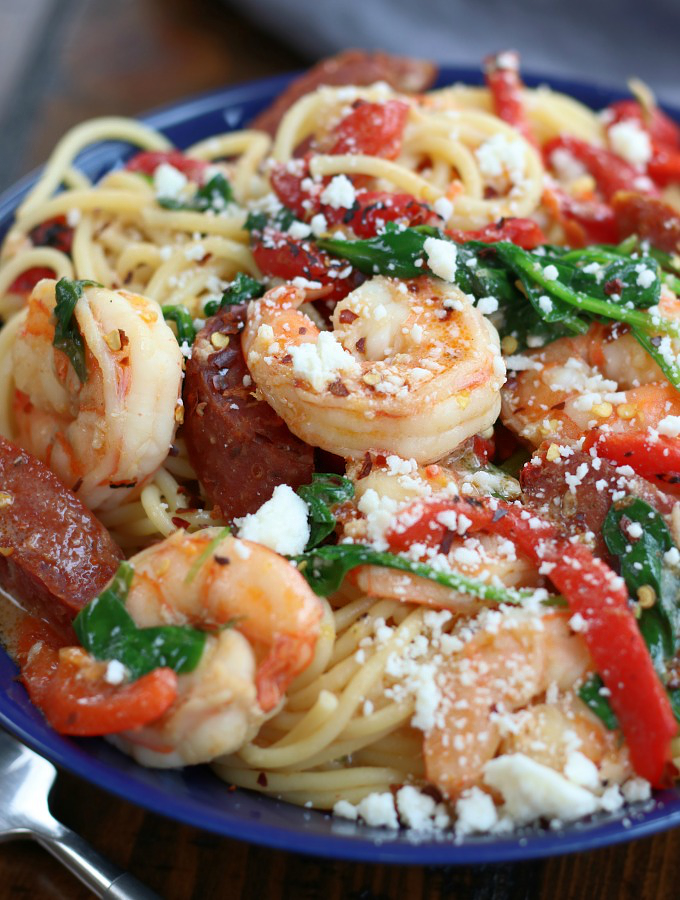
[{"x": 62, "y": 61}]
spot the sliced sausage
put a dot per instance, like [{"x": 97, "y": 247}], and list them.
[
  {"x": 55, "y": 556},
  {"x": 240, "y": 448},
  {"x": 410, "y": 76},
  {"x": 577, "y": 491}
]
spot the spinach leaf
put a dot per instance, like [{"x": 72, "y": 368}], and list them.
[
  {"x": 325, "y": 568},
  {"x": 107, "y": 631},
  {"x": 281, "y": 220},
  {"x": 321, "y": 495},
  {"x": 242, "y": 289},
  {"x": 590, "y": 693},
  {"x": 642, "y": 563},
  {"x": 214, "y": 196},
  {"x": 180, "y": 315},
  {"x": 67, "y": 336},
  {"x": 397, "y": 251}
]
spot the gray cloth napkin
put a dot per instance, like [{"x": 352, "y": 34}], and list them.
[{"x": 605, "y": 41}]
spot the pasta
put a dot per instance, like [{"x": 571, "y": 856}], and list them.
[{"x": 417, "y": 283}]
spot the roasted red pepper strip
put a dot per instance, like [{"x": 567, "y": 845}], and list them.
[
  {"x": 281, "y": 256},
  {"x": 592, "y": 589},
  {"x": 78, "y": 701},
  {"x": 611, "y": 173},
  {"x": 585, "y": 221},
  {"x": 24, "y": 283},
  {"x": 148, "y": 161},
  {"x": 664, "y": 134},
  {"x": 374, "y": 129},
  {"x": 501, "y": 73},
  {"x": 657, "y": 460},
  {"x": 524, "y": 233}
]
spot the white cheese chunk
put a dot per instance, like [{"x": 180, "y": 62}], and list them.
[{"x": 280, "y": 523}]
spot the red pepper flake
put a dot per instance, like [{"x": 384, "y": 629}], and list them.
[
  {"x": 446, "y": 543},
  {"x": 338, "y": 389},
  {"x": 347, "y": 316},
  {"x": 361, "y": 345},
  {"x": 615, "y": 286},
  {"x": 179, "y": 522},
  {"x": 262, "y": 780},
  {"x": 366, "y": 466}
]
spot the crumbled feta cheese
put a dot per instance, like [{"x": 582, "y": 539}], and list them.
[
  {"x": 501, "y": 155},
  {"x": 551, "y": 273},
  {"x": 533, "y": 791},
  {"x": 635, "y": 790},
  {"x": 420, "y": 811},
  {"x": 443, "y": 207},
  {"x": 376, "y": 810},
  {"x": 487, "y": 305},
  {"x": 669, "y": 426},
  {"x": 340, "y": 193},
  {"x": 441, "y": 257},
  {"x": 299, "y": 230},
  {"x": 168, "y": 182},
  {"x": 546, "y": 304},
  {"x": 582, "y": 770},
  {"x": 319, "y": 225},
  {"x": 280, "y": 523},
  {"x": 115, "y": 672},
  {"x": 321, "y": 362},
  {"x": 566, "y": 165},
  {"x": 630, "y": 142},
  {"x": 475, "y": 812}
]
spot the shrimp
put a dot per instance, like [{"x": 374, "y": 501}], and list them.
[
  {"x": 103, "y": 437},
  {"x": 199, "y": 580},
  {"x": 503, "y": 668},
  {"x": 603, "y": 379},
  {"x": 391, "y": 485},
  {"x": 410, "y": 367}
]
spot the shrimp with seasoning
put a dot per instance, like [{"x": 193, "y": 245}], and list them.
[
  {"x": 265, "y": 621},
  {"x": 600, "y": 381},
  {"x": 104, "y": 436},
  {"x": 492, "y": 702},
  {"x": 410, "y": 366}
]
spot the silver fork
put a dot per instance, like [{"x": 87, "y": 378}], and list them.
[{"x": 25, "y": 783}]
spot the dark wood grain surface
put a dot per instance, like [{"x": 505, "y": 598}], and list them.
[{"x": 62, "y": 61}]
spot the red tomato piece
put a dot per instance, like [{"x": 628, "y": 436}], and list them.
[
  {"x": 148, "y": 161},
  {"x": 501, "y": 73},
  {"x": 656, "y": 460},
  {"x": 611, "y": 173},
  {"x": 281, "y": 256},
  {"x": 372, "y": 209},
  {"x": 24, "y": 283},
  {"x": 76, "y": 699},
  {"x": 524, "y": 233},
  {"x": 372, "y": 128}
]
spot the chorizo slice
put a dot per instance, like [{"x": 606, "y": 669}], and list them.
[
  {"x": 410, "y": 76},
  {"x": 55, "y": 556},
  {"x": 240, "y": 448},
  {"x": 581, "y": 502}
]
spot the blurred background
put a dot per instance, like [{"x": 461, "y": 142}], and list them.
[{"x": 64, "y": 60}]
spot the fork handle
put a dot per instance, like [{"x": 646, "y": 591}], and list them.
[{"x": 100, "y": 875}]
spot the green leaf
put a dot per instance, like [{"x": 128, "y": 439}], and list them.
[
  {"x": 242, "y": 289},
  {"x": 213, "y": 196},
  {"x": 107, "y": 631},
  {"x": 590, "y": 693},
  {"x": 325, "y": 492},
  {"x": 660, "y": 349},
  {"x": 67, "y": 336},
  {"x": 281, "y": 220},
  {"x": 641, "y": 560},
  {"x": 325, "y": 568},
  {"x": 397, "y": 251},
  {"x": 180, "y": 315}
]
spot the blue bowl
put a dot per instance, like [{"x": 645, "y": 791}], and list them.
[{"x": 196, "y": 796}]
